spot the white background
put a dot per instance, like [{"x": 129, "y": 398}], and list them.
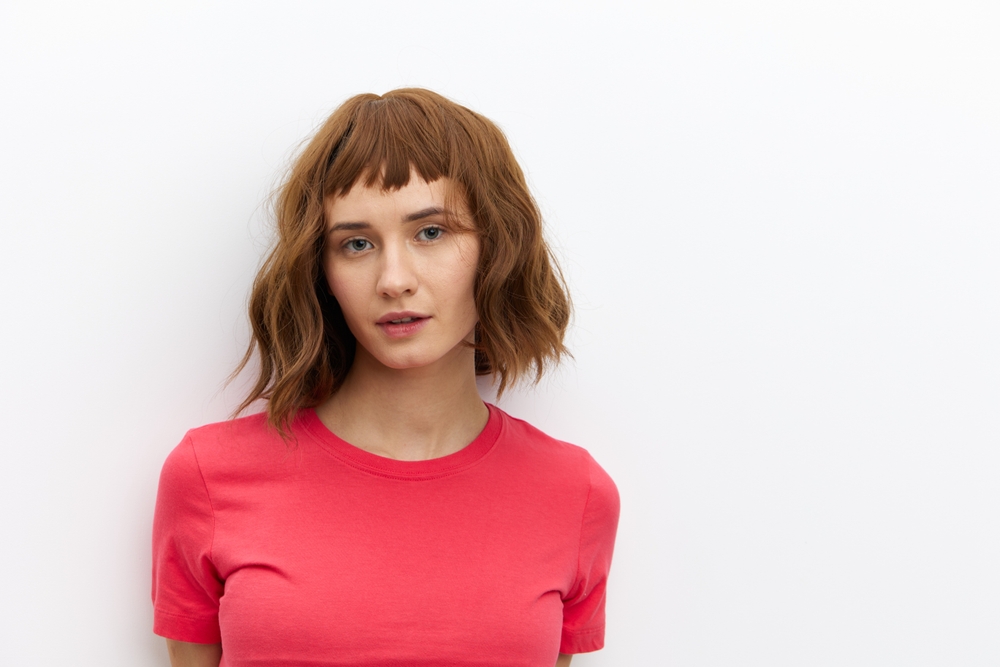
[{"x": 779, "y": 221}]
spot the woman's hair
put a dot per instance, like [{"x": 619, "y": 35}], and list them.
[{"x": 299, "y": 332}]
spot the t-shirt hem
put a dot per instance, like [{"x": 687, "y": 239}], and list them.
[
  {"x": 582, "y": 641},
  {"x": 203, "y": 630}
]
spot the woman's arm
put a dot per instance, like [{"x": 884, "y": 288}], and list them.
[
  {"x": 186, "y": 654},
  {"x": 564, "y": 659}
]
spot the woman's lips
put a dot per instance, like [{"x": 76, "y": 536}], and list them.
[{"x": 403, "y": 329}]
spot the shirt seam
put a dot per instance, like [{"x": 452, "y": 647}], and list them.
[
  {"x": 211, "y": 505},
  {"x": 447, "y": 472},
  {"x": 161, "y": 612},
  {"x": 423, "y": 477},
  {"x": 583, "y": 516},
  {"x": 409, "y": 478}
]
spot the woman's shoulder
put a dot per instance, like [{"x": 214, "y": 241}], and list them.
[
  {"x": 249, "y": 427},
  {"x": 240, "y": 443},
  {"x": 567, "y": 460},
  {"x": 539, "y": 441}
]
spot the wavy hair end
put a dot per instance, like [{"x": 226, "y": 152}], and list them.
[{"x": 298, "y": 331}]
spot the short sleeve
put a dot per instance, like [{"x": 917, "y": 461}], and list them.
[
  {"x": 186, "y": 585},
  {"x": 583, "y": 607}
]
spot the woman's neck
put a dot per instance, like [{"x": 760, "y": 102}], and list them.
[{"x": 408, "y": 414}]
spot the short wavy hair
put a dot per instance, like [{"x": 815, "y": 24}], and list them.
[{"x": 298, "y": 331}]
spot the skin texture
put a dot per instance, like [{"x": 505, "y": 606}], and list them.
[
  {"x": 185, "y": 654},
  {"x": 412, "y": 398}
]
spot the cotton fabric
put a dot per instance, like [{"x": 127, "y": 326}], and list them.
[{"x": 315, "y": 552}]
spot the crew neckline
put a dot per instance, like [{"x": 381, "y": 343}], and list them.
[{"x": 384, "y": 466}]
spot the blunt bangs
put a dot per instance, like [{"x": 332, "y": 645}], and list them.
[
  {"x": 389, "y": 137},
  {"x": 299, "y": 334}
]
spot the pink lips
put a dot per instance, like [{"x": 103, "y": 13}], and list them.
[{"x": 402, "y": 329}]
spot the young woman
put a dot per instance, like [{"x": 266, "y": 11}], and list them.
[{"x": 379, "y": 512}]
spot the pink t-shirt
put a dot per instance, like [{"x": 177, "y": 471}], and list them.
[{"x": 316, "y": 552}]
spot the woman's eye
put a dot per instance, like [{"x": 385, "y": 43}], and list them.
[
  {"x": 431, "y": 233},
  {"x": 357, "y": 245}
]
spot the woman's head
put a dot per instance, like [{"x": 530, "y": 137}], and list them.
[{"x": 299, "y": 331}]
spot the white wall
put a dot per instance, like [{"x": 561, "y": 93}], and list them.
[{"x": 780, "y": 225}]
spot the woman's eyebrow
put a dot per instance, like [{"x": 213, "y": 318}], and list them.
[
  {"x": 424, "y": 213},
  {"x": 412, "y": 217},
  {"x": 349, "y": 226}
]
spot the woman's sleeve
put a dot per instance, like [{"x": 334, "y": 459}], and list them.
[
  {"x": 583, "y": 608},
  {"x": 186, "y": 585}
]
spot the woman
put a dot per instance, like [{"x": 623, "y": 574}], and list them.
[{"x": 379, "y": 512}]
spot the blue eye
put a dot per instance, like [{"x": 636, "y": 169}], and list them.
[
  {"x": 357, "y": 245},
  {"x": 432, "y": 233}
]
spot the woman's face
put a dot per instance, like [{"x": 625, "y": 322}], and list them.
[{"x": 402, "y": 273}]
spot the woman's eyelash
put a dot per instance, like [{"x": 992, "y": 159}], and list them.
[
  {"x": 349, "y": 243},
  {"x": 438, "y": 231}
]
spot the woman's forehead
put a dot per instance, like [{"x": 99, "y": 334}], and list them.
[
  {"x": 417, "y": 199},
  {"x": 362, "y": 195}
]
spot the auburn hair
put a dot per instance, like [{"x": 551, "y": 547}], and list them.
[{"x": 298, "y": 331}]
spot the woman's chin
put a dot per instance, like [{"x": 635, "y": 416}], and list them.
[
  {"x": 406, "y": 362},
  {"x": 445, "y": 364}
]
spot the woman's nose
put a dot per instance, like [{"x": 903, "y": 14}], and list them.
[{"x": 397, "y": 275}]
